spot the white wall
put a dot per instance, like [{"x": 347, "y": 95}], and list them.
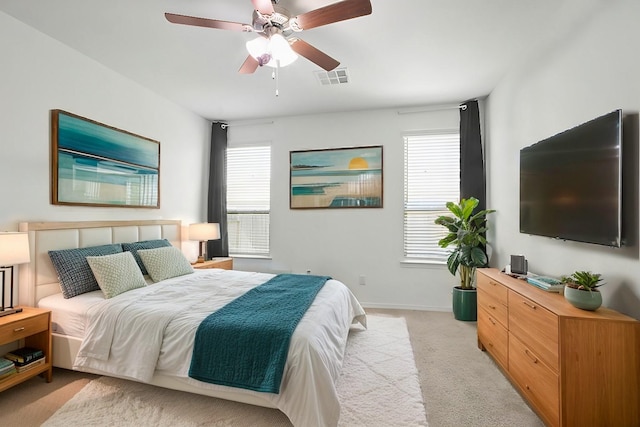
[
  {"x": 347, "y": 243},
  {"x": 39, "y": 74},
  {"x": 592, "y": 71}
]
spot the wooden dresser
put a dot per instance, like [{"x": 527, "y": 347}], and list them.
[{"x": 575, "y": 367}]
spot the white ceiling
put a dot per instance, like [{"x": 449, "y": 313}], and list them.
[{"x": 406, "y": 53}]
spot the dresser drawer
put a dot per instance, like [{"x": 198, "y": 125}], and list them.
[
  {"x": 494, "y": 289},
  {"x": 537, "y": 381},
  {"x": 23, "y": 328},
  {"x": 536, "y": 326},
  {"x": 492, "y": 306},
  {"x": 494, "y": 337}
]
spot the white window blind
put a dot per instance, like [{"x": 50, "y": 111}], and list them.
[
  {"x": 431, "y": 179},
  {"x": 248, "y": 199}
]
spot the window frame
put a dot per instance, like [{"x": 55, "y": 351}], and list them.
[
  {"x": 433, "y": 254},
  {"x": 253, "y": 211}
]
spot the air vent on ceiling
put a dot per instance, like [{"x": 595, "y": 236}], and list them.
[{"x": 333, "y": 77}]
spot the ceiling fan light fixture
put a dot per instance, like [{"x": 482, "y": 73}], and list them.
[
  {"x": 257, "y": 47},
  {"x": 281, "y": 50},
  {"x": 276, "y": 48}
]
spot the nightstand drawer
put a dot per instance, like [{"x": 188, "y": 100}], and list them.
[{"x": 23, "y": 328}]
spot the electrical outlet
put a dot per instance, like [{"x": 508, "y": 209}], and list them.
[
  {"x": 361, "y": 280},
  {"x": 308, "y": 271}
]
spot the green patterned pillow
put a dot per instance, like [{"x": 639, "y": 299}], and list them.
[
  {"x": 165, "y": 263},
  {"x": 116, "y": 273}
]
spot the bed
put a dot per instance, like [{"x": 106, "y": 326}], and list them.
[{"x": 307, "y": 393}]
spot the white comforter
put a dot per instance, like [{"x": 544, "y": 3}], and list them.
[{"x": 151, "y": 330}]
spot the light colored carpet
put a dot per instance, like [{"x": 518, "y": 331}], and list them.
[{"x": 379, "y": 386}]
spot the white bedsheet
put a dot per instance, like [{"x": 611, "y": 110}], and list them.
[
  {"x": 68, "y": 316},
  {"x": 152, "y": 329}
]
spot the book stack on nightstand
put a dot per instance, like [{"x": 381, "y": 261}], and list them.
[
  {"x": 7, "y": 368},
  {"x": 26, "y": 358}
]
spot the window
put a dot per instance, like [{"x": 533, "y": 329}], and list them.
[
  {"x": 248, "y": 200},
  {"x": 431, "y": 179}
]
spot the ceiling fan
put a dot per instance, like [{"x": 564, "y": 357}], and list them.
[{"x": 275, "y": 25}]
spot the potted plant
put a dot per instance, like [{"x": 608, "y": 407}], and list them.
[
  {"x": 467, "y": 236},
  {"x": 581, "y": 289}
]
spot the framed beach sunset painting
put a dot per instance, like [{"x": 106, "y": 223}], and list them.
[
  {"x": 336, "y": 178},
  {"x": 98, "y": 165}
]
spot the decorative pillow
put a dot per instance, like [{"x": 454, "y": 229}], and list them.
[
  {"x": 165, "y": 263},
  {"x": 116, "y": 273},
  {"x": 74, "y": 272},
  {"x": 144, "y": 244}
]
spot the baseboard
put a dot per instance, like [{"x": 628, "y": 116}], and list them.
[{"x": 403, "y": 307}]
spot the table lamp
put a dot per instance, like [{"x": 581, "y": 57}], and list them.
[
  {"x": 14, "y": 249},
  {"x": 204, "y": 232}
]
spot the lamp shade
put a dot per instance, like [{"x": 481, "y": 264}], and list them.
[
  {"x": 204, "y": 231},
  {"x": 14, "y": 249}
]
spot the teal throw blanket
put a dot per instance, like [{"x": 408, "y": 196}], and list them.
[{"x": 245, "y": 343}]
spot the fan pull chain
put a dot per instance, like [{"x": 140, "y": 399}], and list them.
[{"x": 275, "y": 75}]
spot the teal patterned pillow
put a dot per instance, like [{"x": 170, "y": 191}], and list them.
[
  {"x": 73, "y": 270},
  {"x": 165, "y": 263},
  {"x": 116, "y": 273},
  {"x": 144, "y": 244}
]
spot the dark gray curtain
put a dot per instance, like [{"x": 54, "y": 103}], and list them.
[
  {"x": 472, "y": 174},
  {"x": 217, "y": 200}
]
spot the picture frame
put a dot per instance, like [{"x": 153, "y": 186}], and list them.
[
  {"x": 93, "y": 164},
  {"x": 335, "y": 178}
]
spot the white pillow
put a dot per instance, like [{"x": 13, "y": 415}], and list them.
[
  {"x": 116, "y": 273},
  {"x": 164, "y": 263}
]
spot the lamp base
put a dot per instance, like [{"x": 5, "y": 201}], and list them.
[{"x": 8, "y": 311}]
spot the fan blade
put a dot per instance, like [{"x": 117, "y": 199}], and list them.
[
  {"x": 336, "y": 12},
  {"x": 263, "y": 6},
  {"x": 249, "y": 66},
  {"x": 209, "y": 23},
  {"x": 314, "y": 55}
]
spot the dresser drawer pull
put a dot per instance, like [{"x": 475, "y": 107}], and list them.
[
  {"x": 533, "y": 306},
  {"x": 492, "y": 307},
  {"x": 492, "y": 321},
  {"x": 531, "y": 356},
  {"x": 19, "y": 329}
]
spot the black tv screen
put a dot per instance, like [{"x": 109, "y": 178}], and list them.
[{"x": 571, "y": 183}]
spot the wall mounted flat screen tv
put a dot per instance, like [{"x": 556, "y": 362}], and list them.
[{"x": 571, "y": 183}]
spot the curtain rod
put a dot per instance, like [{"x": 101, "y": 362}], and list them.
[
  {"x": 428, "y": 109},
  {"x": 226, "y": 125}
]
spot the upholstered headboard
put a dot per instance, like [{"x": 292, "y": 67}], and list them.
[{"x": 39, "y": 279}]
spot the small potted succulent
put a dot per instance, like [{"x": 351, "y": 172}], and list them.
[{"x": 581, "y": 289}]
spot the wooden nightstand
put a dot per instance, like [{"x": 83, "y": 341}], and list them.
[
  {"x": 224, "y": 263},
  {"x": 32, "y": 327}
]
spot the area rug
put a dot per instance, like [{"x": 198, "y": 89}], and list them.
[{"x": 378, "y": 386}]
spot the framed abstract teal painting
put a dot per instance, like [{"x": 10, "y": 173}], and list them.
[
  {"x": 98, "y": 165},
  {"x": 336, "y": 178}
]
